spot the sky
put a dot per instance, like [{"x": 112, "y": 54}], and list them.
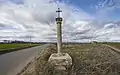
[{"x": 83, "y": 20}]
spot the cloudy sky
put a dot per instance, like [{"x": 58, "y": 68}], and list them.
[{"x": 83, "y": 20}]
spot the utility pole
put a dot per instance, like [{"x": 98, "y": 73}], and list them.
[{"x": 30, "y": 39}]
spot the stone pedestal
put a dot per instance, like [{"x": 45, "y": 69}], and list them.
[{"x": 60, "y": 61}]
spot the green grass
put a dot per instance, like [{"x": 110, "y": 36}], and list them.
[
  {"x": 10, "y": 46},
  {"x": 116, "y": 45},
  {"x": 5, "y": 48}
]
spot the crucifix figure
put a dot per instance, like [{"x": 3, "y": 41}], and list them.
[{"x": 59, "y": 31}]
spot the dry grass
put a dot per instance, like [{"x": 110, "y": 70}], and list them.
[
  {"x": 92, "y": 60},
  {"x": 116, "y": 45},
  {"x": 42, "y": 66},
  {"x": 88, "y": 59}
]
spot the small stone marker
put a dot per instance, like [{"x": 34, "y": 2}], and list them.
[{"x": 61, "y": 61}]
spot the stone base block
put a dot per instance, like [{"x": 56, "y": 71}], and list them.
[{"x": 60, "y": 61}]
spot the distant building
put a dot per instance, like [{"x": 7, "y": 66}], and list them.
[
  {"x": 94, "y": 42},
  {"x": 7, "y": 41}
]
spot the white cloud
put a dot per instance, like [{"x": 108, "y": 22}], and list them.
[{"x": 36, "y": 18}]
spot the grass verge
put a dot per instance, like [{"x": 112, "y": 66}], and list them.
[
  {"x": 116, "y": 45},
  {"x": 88, "y": 59},
  {"x": 6, "y": 48}
]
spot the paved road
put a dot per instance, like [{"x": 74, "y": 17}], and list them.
[{"x": 13, "y": 62}]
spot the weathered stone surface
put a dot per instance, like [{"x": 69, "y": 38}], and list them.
[{"x": 62, "y": 61}]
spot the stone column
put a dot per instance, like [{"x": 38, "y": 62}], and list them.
[
  {"x": 60, "y": 61},
  {"x": 59, "y": 31},
  {"x": 59, "y": 37}
]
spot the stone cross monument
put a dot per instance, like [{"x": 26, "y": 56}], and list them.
[
  {"x": 61, "y": 61},
  {"x": 59, "y": 31}
]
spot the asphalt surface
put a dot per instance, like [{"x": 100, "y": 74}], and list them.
[{"x": 12, "y": 63}]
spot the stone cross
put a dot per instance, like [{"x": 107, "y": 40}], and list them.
[
  {"x": 59, "y": 31},
  {"x": 60, "y": 61}
]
